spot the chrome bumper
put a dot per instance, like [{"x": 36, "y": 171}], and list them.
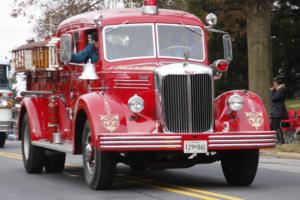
[{"x": 175, "y": 142}]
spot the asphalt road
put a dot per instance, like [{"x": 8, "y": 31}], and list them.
[{"x": 276, "y": 179}]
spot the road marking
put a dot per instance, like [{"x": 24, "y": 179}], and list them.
[
  {"x": 186, "y": 191},
  {"x": 167, "y": 189},
  {"x": 180, "y": 188},
  {"x": 10, "y": 155}
]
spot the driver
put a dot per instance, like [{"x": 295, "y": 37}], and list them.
[{"x": 89, "y": 52}]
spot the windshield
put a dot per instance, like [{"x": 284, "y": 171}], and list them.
[
  {"x": 128, "y": 41},
  {"x": 3, "y": 76},
  {"x": 177, "y": 40}
]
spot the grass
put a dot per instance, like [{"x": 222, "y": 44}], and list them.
[
  {"x": 294, "y": 148},
  {"x": 293, "y": 104}
]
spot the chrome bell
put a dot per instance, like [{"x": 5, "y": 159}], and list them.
[{"x": 89, "y": 72}]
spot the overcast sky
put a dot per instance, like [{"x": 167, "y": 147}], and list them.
[{"x": 13, "y": 31}]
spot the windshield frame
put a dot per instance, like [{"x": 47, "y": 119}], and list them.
[
  {"x": 129, "y": 25},
  {"x": 184, "y": 26}
]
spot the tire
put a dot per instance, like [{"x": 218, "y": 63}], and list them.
[
  {"x": 55, "y": 163},
  {"x": 98, "y": 167},
  {"x": 138, "y": 168},
  {"x": 239, "y": 167},
  {"x": 33, "y": 157},
  {"x": 2, "y": 139}
]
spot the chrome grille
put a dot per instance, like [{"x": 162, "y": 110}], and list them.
[{"x": 187, "y": 103}]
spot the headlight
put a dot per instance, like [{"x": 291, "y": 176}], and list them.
[
  {"x": 136, "y": 104},
  {"x": 3, "y": 103},
  {"x": 235, "y": 102}
]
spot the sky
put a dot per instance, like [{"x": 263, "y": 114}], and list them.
[{"x": 13, "y": 31}]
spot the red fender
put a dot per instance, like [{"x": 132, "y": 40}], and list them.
[
  {"x": 99, "y": 107},
  {"x": 36, "y": 109},
  {"x": 252, "y": 117}
]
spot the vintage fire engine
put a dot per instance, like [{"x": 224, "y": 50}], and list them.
[
  {"x": 148, "y": 101},
  {"x": 7, "y": 122}
]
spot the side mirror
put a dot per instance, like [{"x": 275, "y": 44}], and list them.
[
  {"x": 227, "y": 45},
  {"x": 65, "y": 48}
]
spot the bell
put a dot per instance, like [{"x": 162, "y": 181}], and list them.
[{"x": 89, "y": 72}]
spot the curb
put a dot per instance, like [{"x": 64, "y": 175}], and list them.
[{"x": 288, "y": 155}]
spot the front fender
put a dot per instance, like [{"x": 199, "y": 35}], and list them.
[
  {"x": 104, "y": 113},
  {"x": 252, "y": 117},
  {"x": 37, "y": 112}
]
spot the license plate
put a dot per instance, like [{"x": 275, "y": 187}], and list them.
[{"x": 195, "y": 146}]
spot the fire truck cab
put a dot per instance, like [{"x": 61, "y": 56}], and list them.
[
  {"x": 6, "y": 103},
  {"x": 147, "y": 101}
]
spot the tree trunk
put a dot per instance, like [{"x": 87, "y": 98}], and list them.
[{"x": 259, "y": 48}]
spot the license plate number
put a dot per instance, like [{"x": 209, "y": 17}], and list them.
[{"x": 195, "y": 146}]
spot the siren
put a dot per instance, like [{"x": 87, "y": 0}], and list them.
[
  {"x": 89, "y": 72},
  {"x": 150, "y": 7}
]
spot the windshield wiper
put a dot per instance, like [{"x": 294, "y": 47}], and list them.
[
  {"x": 191, "y": 29},
  {"x": 117, "y": 27}
]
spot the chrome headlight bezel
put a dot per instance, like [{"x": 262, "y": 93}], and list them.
[
  {"x": 3, "y": 103},
  {"x": 136, "y": 104},
  {"x": 235, "y": 102}
]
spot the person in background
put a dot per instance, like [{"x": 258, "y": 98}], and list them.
[
  {"x": 89, "y": 52},
  {"x": 278, "y": 109}
]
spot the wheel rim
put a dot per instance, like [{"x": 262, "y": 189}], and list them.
[
  {"x": 89, "y": 155},
  {"x": 26, "y": 143}
]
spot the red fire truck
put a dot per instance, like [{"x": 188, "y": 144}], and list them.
[{"x": 148, "y": 101}]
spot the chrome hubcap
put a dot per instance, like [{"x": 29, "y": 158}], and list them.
[
  {"x": 26, "y": 143},
  {"x": 89, "y": 155}
]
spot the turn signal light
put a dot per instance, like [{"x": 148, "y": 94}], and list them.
[
  {"x": 10, "y": 94},
  {"x": 221, "y": 65}
]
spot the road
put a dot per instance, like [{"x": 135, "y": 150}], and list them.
[{"x": 276, "y": 179}]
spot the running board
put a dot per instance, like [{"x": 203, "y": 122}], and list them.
[{"x": 66, "y": 148}]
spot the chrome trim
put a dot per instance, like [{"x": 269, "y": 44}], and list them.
[
  {"x": 246, "y": 132},
  {"x": 178, "y": 69},
  {"x": 240, "y": 136},
  {"x": 241, "y": 145},
  {"x": 143, "y": 142},
  {"x": 140, "y": 137},
  {"x": 139, "y": 146},
  {"x": 189, "y": 102},
  {"x": 129, "y": 80},
  {"x": 236, "y": 141},
  {"x": 67, "y": 148},
  {"x": 157, "y": 42},
  {"x": 131, "y": 58},
  {"x": 133, "y": 84},
  {"x": 124, "y": 87}
]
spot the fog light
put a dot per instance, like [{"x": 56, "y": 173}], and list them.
[
  {"x": 235, "y": 102},
  {"x": 136, "y": 104}
]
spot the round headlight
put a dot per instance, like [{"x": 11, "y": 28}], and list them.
[
  {"x": 3, "y": 103},
  {"x": 235, "y": 102},
  {"x": 136, "y": 104}
]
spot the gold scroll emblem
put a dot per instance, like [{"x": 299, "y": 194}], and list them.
[
  {"x": 255, "y": 119},
  {"x": 110, "y": 122}
]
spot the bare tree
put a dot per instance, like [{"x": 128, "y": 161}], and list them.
[{"x": 47, "y": 15}]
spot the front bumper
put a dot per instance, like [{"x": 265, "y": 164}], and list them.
[
  {"x": 175, "y": 142},
  {"x": 7, "y": 126}
]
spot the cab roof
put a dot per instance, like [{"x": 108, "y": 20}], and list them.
[{"x": 128, "y": 15}]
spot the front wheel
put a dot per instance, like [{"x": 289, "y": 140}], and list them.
[
  {"x": 2, "y": 139},
  {"x": 99, "y": 167},
  {"x": 33, "y": 157},
  {"x": 239, "y": 167}
]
